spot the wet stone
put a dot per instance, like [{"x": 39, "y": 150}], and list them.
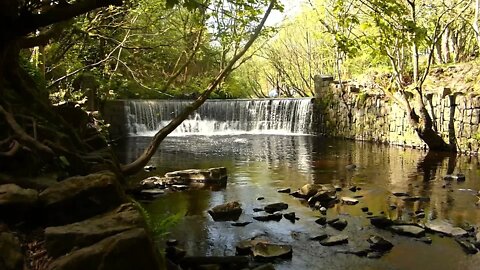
[
  {"x": 227, "y": 211},
  {"x": 458, "y": 177},
  {"x": 271, "y": 217},
  {"x": 349, "y": 200},
  {"x": 467, "y": 246},
  {"x": 267, "y": 251},
  {"x": 275, "y": 207},
  {"x": 149, "y": 168},
  {"x": 321, "y": 221},
  {"x": 379, "y": 244},
  {"x": 257, "y": 209},
  {"x": 408, "y": 230},
  {"x": 426, "y": 240},
  {"x": 400, "y": 194},
  {"x": 284, "y": 190},
  {"x": 319, "y": 237},
  {"x": 290, "y": 216},
  {"x": 364, "y": 209},
  {"x": 381, "y": 222},
  {"x": 335, "y": 240},
  {"x": 323, "y": 210},
  {"x": 260, "y": 198},
  {"x": 353, "y": 188},
  {"x": 340, "y": 224},
  {"x": 374, "y": 254}
]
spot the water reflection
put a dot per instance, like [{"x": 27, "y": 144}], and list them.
[{"x": 259, "y": 165}]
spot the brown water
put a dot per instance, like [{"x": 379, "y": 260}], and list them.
[{"x": 259, "y": 165}]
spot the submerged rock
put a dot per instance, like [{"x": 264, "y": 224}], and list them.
[
  {"x": 271, "y": 217},
  {"x": 267, "y": 251},
  {"x": 241, "y": 224},
  {"x": 444, "y": 227},
  {"x": 319, "y": 237},
  {"x": 379, "y": 244},
  {"x": 227, "y": 211},
  {"x": 284, "y": 190},
  {"x": 335, "y": 240},
  {"x": 467, "y": 246},
  {"x": 275, "y": 207},
  {"x": 290, "y": 216},
  {"x": 381, "y": 222}
]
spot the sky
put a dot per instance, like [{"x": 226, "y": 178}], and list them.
[{"x": 291, "y": 8}]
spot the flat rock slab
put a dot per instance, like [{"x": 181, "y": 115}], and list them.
[
  {"x": 267, "y": 251},
  {"x": 444, "y": 227},
  {"x": 62, "y": 239},
  {"x": 227, "y": 211},
  {"x": 81, "y": 197},
  {"x": 128, "y": 250},
  {"x": 335, "y": 240},
  {"x": 408, "y": 230}
]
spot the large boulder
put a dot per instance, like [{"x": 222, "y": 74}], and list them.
[
  {"x": 11, "y": 256},
  {"x": 62, "y": 239},
  {"x": 81, "y": 197},
  {"x": 16, "y": 202},
  {"x": 128, "y": 250},
  {"x": 226, "y": 211}
]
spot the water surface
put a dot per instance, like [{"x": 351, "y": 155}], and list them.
[{"x": 258, "y": 165}]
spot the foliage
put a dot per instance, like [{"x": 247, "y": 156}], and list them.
[{"x": 160, "y": 226}]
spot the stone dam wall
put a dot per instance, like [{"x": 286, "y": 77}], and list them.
[{"x": 364, "y": 114}]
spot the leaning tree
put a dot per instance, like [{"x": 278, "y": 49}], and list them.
[{"x": 34, "y": 134}]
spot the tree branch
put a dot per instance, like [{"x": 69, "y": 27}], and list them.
[{"x": 58, "y": 13}]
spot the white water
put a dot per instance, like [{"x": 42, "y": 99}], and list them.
[{"x": 222, "y": 117}]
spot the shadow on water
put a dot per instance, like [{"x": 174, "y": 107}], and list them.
[{"x": 259, "y": 165}]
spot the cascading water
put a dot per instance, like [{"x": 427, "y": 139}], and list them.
[{"x": 222, "y": 117}]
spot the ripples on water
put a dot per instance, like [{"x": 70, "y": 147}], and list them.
[{"x": 259, "y": 165}]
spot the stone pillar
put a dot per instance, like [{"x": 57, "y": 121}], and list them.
[{"x": 322, "y": 82}]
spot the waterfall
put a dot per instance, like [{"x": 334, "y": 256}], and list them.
[{"x": 222, "y": 117}]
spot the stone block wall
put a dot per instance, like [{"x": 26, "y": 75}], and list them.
[{"x": 368, "y": 115}]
